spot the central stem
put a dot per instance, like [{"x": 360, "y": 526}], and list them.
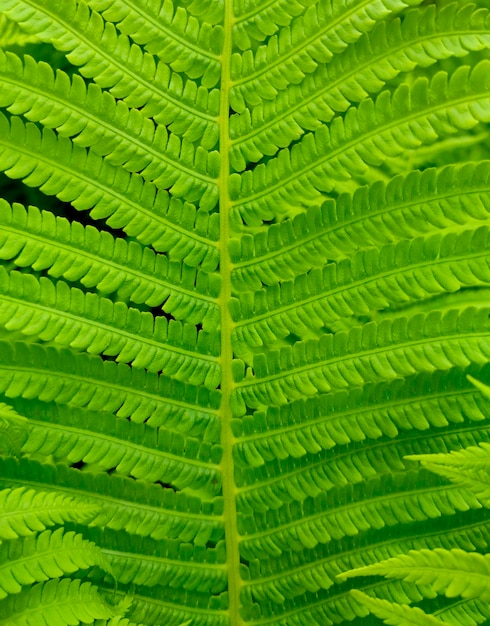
[{"x": 227, "y": 384}]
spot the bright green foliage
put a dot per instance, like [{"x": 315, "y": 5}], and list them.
[
  {"x": 49, "y": 555},
  {"x": 468, "y": 467},
  {"x": 396, "y": 614},
  {"x": 13, "y": 429},
  {"x": 452, "y": 572},
  {"x": 54, "y": 603},
  {"x": 439, "y": 571},
  {"x": 12, "y": 35},
  {"x": 244, "y": 312},
  {"x": 24, "y": 513}
]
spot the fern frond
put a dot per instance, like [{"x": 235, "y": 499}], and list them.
[
  {"x": 477, "y": 457},
  {"x": 420, "y": 39},
  {"x": 465, "y": 612},
  {"x": 396, "y": 614},
  {"x": 383, "y": 410},
  {"x": 178, "y": 38},
  {"x": 167, "y": 563},
  {"x": 76, "y": 435},
  {"x": 306, "y": 577},
  {"x": 365, "y": 354},
  {"x": 81, "y": 381},
  {"x": 49, "y": 555},
  {"x": 119, "y": 503},
  {"x": 91, "y": 183},
  {"x": 310, "y": 39},
  {"x": 410, "y": 117},
  {"x": 478, "y": 297},
  {"x": 13, "y": 430},
  {"x": 342, "y": 513},
  {"x": 408, "y": 272},
  {"x": 114, "y": 62},
  {"x": 55, "y": 603},
  {"x": 76, "y": 109},
  {"x": 156, "y": 605},
  {"x": 52, "y": 175},
  {"x": 87, "y": 322},
  {"x": 292, "y": 480},
  {"x": 443, "y": 199},
  {"x": 259, "y": 20},
  {"x": 123, "y": 136},
  {"x": 461, "y": 471},
  {"x": 245, "y": 360},
  {"x": 96, "y": 259},
  {"x": 24, "y": 512},
  {"x": 450, "y": 572},
  {"x": 12, "y": 35},
  {"x": 377, "y": 545}
]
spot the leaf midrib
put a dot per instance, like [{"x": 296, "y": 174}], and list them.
[{"x": 226, "y": 357}]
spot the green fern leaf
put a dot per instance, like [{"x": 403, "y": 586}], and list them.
[
  {"x": 396, "y": 615},
  {"x": 422, "y": 38},
  {"x": 12, "y": 35},
  {"x": 139, "y": 507},
  {"x": 67, "y": 316},
  {"x": 107, "y": 263},
  {"x": 53, "y": 432},
  {"x": 25, "y": 512},
  {"x": 452, "y": 572},
  {"x": 13, "y": 428},
  {"x": 118, "y": 621},
  {"x": 432, "y": 201},
  {"x": 244, "y": 290},
  {"x": 55, "y": 603},
  {"x": 37, "y": 559}
]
